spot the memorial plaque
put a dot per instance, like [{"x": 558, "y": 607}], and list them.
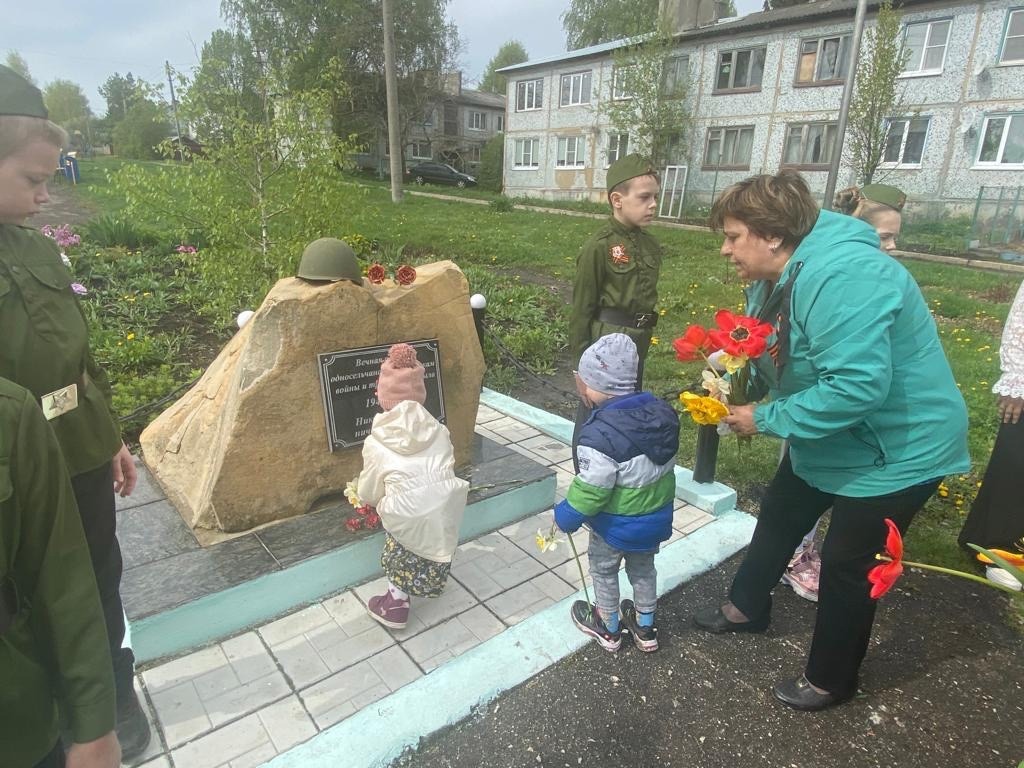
[{"x": 348, "y": 383}]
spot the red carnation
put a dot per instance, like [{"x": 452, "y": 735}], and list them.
[
  {"x": 883, "y": 576},
  {"x": 405, "y": 275},
  {"x": 376, "y": 274},
  {"x": 372, "y": 520},
  {"x": 739, "y": 335},
  {"x": 691, "y": 343},
  {"x": 354, "y": 523}
]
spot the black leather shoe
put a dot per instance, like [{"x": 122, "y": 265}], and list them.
[
  {"x": 132, "y": 727},
  {"x": 713, "y": 620},
  {"x": 799, "y": 694}
]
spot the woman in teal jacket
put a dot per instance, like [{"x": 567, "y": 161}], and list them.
[{"x": 860, "y": 386}]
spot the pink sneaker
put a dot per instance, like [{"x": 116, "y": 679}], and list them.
[
  {"x": 803, "y": 574},
  {"x": 388, "y": 610}
]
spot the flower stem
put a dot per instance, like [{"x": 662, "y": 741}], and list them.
[
  {"x": 579, "y": 565},
  {"x": 950, "y": 572}
]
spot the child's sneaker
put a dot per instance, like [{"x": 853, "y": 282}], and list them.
[
  {"x": 803, "y": 574},
  {"x": 389, "y": 610},
  {"x": 645, "y": 638},
  {"x": 585, "y": 618}
]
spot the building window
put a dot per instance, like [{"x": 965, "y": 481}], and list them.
[
  {"x": 527, "y": 153},
  {"x": 499, "y": 123},
  {"x": 729, "y": 147},
  {"x": 529, "y": 95},
  {"x": 823, "y": 59},
  {"x": 1002, "y": 142},
  {"x": 473, "y": 154},
  {"x": 476, "y": 121},
  {"x": 622, "y": 83},
  {"x": 740, "y": 70},
  {"x": 1013, "y": 40},
  {"x": 904, "y": 141},
  {"x": 570, "y": 152},
  {"x": 575, "y": 89},
  {"x": 925, "y": 44},
  {"x": 428, "y": 118},
  {"x": 809, "y": 144},
  {"x": 421, "y": 150},
  {"x": 618, "y": 146},
  {"x": 675, "y": 76}
]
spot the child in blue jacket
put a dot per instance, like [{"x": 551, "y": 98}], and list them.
[{"x": 624, "y": 492}]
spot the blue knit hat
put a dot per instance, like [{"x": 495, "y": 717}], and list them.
[{"x": 609, "y": 365}]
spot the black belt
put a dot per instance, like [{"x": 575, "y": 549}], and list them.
[
  {"x": 8, "y": 604},
  {"x": 628, "y": 319}
]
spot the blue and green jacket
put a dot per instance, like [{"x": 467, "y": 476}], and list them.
[{"x": 626, "y": 483}]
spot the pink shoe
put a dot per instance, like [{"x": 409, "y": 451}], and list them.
[
  {"x": 388, "y": 610},
  {"x": 803, "y": 574}
]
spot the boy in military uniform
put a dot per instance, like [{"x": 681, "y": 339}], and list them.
[
  {"x": 615, "y": 289},
  {"x": 53, "y": 644},
  {"x": 46, "y": 350}
]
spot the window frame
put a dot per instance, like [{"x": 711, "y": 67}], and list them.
[
  {"x": 621, "y": 148},
  {"x": 734, "y": 53},
  {"x": 476, "y": 120},
  {"x": 534, "y": 94},
  {"x": 579, "y": 152},
  {"x": 518, "y": 155},
  {"x": 907, "y": 120},
  {"x": 666, "y": 68},
  {"x": 619, "y": 93},
  {"x": 1006, "y": 36},
  {"x": 723, "y": 129},
  {"x": 415, "y": 144},
  {"x": 997, "y": 165},
  {"x": 585, "y": 75},
  {"x": 806, "y": 126},
  {"x": 843, "y": 60},
  {"x": 499, "y": 121},
  {"x": 948, "y": 20}
]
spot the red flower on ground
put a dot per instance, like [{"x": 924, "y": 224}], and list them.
[
  {"x": 690, "y": 344},
  {"x": 376, "y": 273},
  {"x": 883, "y": 576},
  {"x": 364, "y": 510},
  {"x": 739, "y": 335},
  {"x": 372, "y": 520},
  {"x": 354, "y": 523},
  {"x": 405, "y": 275}
]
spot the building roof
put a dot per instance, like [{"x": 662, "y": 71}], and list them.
[
  {"x": 794, "y": 15},
  {"x": 482, "y": 98}
]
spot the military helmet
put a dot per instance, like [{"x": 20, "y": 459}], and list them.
[{"x": 329, "y": 259}]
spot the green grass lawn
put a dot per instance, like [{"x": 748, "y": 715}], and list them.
[{"x": 515, "y": 257}]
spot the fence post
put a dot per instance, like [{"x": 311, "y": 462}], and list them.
[
  {"x": 478, "y": 303},
  {"x": 707, "y": 454}
]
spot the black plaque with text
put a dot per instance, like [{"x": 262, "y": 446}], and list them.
[{"x": 348, "y": 383}]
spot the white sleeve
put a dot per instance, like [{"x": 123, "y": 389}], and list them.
[{"x": 1011, "y": 351}]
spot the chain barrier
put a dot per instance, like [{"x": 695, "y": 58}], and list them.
[{"x": 523, "y": 367}]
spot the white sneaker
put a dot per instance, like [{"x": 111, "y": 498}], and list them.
[{"x": 1001, "y": 577}]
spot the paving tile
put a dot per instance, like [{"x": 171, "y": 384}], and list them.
[
  {"x": 485, "y": 414},
  {"x": 426, "y": 611},
  {"x": 223, "y": 745},
  {"x": 184, "y": 669},
  {"x": 295, "y": 624},
  {"x": 181, "y": 714},
  {"x": 147, "y": 490},
  {"x": 304, "y": 536},
  {"x": 300, "y": 661},
  {"x": 155, "y": 747},
  {"x": 686, "y": 515},
  {"x": 395, "y": 668},
  {"x": 356, "y": 649},
  {"x": 432, "y": 648},
  {"x": 563, "y": 480},
  {"x": 246, "y": 698},
  {"x": 161, "y": 762},
  {"x": 151, "y": 532},
  {"x": 331, "y": 700},
  {"x": 567, "y": 466},
  {"x": 512, "y": 429},
  {"x": 524, "y": 535},
  {"x": 523, "y": 601},
  {"x": 255, "y": 758},
  {"x": 286, "y": 723},
  {"x": 552, "y": 451},
  {"x": 493, "y": 436}
]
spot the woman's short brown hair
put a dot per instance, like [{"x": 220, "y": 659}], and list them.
[{"x": 770, "y": 206}]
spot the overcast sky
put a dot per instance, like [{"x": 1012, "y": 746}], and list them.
[{"x": 86, "y": 41}]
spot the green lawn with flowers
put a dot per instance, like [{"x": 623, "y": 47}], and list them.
[{"x": 160, "y": 315}]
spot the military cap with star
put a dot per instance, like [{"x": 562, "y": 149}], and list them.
[
  {"x": 628, "y": 167},
  {"x": 19, "y": 97}
]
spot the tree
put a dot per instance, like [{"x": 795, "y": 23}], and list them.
[
  {"x": 774, "y": 5},
  {"x": 122, "y": 93},
  {"x": 589, "y": 22},
  {"x": 66, "y": 103},
  {"x": 139, "y": 134},
  {"x": 17, "y": 62},
  {"x": 229, "y": 79},
  {"x": 510, "y": 53},
  {"x": 649, "y": 103},
  {"x": 878, "y": 95}
]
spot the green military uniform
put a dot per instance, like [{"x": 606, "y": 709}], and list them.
[
  {"x": 46, "y": 346},
  {"x": 56, "y": 647}
]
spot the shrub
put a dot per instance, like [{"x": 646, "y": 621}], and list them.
[
  {"x": 492, "y": 164},
  {"x": 110, "y": 231}
]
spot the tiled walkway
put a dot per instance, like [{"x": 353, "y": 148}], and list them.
[{"x": 243, "y": 701}]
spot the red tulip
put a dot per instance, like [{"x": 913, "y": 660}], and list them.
[
  {"x": 405, "y": 275},
  {"x": 883, "y": 576},
  {"x": 689, "y": 346},
  {"x": 739, "y": 335},
  {"x": 376, "y": 273}
]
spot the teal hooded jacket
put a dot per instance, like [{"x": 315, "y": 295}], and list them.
[{"x": 865, "y": 395}]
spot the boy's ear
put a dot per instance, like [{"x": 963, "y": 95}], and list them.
[{"x": 615, "y": 198}]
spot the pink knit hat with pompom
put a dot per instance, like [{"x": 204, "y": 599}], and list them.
[{"x": 401, "y": 378}]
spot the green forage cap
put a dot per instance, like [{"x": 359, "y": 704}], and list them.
[
  {"x": 884, "y": 194},
  {"x": 628, "y": 167},
  {"x": 19, "y": 97}
]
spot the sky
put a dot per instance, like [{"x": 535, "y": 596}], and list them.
[{"x": 86, "y": 41}]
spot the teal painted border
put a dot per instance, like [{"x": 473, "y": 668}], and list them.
[
  {"x": 226, "y": 613},
  {"x": 713, "y": 498},
  {"x": 379, "y": 733}
]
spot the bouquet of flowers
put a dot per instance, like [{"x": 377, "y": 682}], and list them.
[{"x": 365, "y": 516}]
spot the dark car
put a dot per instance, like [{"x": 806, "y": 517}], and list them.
[{"x": 439, "y": 173}]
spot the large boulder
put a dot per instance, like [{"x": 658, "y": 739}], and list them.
[{"x": 247, "y": 445}]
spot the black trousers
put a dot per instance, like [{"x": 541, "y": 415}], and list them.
[
  {"x": 94, "y": 492},
  {"x": 997, "y": 517},
  {"x": 856, "y": 532}
]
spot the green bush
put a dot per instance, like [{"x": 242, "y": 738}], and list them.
[
  {"x": 141, "y": 131},
  {"x": 111, "y": 232},
  {"x": 492, "y": 164}
]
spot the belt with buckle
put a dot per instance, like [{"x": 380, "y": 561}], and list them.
[{"x": 640, "y": 320}]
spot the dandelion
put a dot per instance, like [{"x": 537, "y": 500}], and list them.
[{"x": 130, "y": 336}]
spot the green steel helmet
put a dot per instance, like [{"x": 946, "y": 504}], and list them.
[{"x": 330, "y": 259}]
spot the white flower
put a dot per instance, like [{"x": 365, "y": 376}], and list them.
[
  {"x": 716, "y": 386},
  {"x": 65, "y": 259},
  {"x": 352, "y": 493}
]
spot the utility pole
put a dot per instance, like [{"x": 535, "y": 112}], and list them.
[
  {"x": 174, "y": 106},
  {"x": 844, "y": 105},
  {"x": 391, "y": 83}
]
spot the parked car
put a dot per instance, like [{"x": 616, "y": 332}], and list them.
[{"x": 439, "y": 173}]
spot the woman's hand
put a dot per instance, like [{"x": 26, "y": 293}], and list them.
[
  {"x": 124, "y": 471},
  {"x": 741, "y": 419},
  {"x": 1010, "y": 408},
  {"x": 104, "y": 752}
]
